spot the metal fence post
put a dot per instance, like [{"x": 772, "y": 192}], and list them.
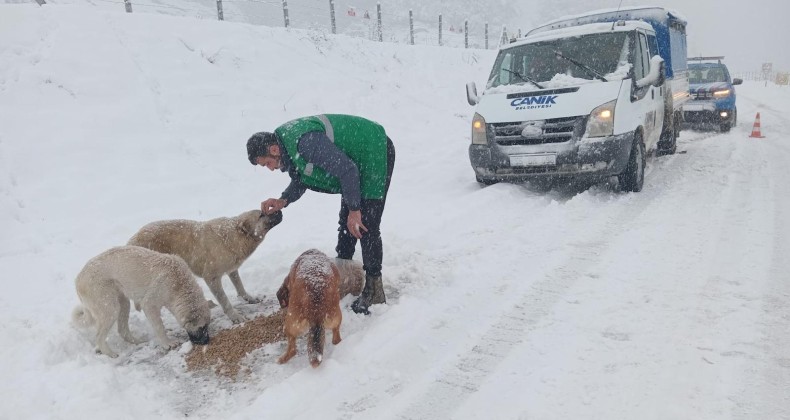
[
  {"x": 486, "y": 35},
  {"x": 285, "y": 13},
  {"x": 128, "y": 4},
  {"x": 503, "y": 39},
  {"x": 220, "y": 15},
  {"x": 440, "y": 29},
  {"x": 332, "y": 15},
  {"x": 378, "y": 27},
  {"x": 411, "y": 27},
  {"x": 466, "y": 34}
]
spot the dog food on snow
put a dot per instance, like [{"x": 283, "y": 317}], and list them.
[{"x": 228, "y": 347}]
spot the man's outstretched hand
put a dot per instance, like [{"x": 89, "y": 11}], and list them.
[{"x": 273, "y": 205}]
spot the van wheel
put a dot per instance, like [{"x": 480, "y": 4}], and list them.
[
  {"x": 669, "y": 142},
  {"x": 486, "y": 181},
  {"x": 634, "y": 175}
]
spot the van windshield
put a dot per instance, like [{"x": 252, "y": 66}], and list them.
[{"x": 606, "y": 54}]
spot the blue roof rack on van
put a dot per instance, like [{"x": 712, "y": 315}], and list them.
[{"x": 646, "y": 13}]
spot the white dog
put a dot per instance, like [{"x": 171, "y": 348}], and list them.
[
  {"x": 212, "y": 248},
  {"x": 152, "y": 280}
]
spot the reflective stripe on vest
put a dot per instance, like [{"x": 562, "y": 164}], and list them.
[{"x": 330, "y": 132}]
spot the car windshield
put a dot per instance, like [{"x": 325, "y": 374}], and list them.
[
  {"x": 606, "y": 54},
  {"x": 699, "y": 74}
]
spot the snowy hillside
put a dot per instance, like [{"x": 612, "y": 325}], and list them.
[{"x": 504, "y": 302}]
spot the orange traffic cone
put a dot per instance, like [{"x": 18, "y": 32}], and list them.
[{"x": 756, "y": 129}]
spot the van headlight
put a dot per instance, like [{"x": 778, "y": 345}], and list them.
[
  {"x": 721, "y": 93},
  {"x": 479, "y": 130},
  {"x": 601, "y": 121}
]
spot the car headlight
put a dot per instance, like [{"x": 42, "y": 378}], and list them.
[
  {"x": 479, "y": 130},
  {"x": 721, "y": 93},
  {"x": 601, "y": 121}
]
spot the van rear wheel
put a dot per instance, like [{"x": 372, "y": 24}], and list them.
[
  {"x": 633, "y": 177},
  {"x": 486, "y": 181}
]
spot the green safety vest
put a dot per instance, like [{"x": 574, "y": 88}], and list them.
[{"x": 363, "y": 141}]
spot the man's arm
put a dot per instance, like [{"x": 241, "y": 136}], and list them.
[
  {"x": 317, "y": 149},
  {"x": 293, "y": 191}
]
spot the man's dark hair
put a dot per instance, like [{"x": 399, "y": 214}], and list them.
[{"x": 258, "y": 145}]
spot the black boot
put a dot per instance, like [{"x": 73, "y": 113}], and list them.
[{"x": 372, "y": 294}]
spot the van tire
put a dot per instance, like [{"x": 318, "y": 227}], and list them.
[
  {"x": 486, "y": 181},
  {"x": 668, "y": 144},
  {"x": 633, "y": 177}
]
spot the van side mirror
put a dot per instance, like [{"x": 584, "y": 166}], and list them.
[
  {"x": 471, "y": 94},
  {"x": 656, "y": 75},
  {"x": 662, "y": 74},
  {"x": 737, "y": 81}
]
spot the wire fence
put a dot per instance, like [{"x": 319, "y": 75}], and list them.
[
  {"x": 781, "y": 78},
  {"x": 376, "y": 23}
]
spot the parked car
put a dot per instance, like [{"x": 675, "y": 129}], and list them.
[
  {"x": 582, "y": 97},
  {"x": 712, "y": 93}
]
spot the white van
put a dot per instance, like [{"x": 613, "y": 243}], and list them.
[{"x": 585, "y": 96}]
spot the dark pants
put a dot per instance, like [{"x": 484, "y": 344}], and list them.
[{"x": 372, "y": 210}]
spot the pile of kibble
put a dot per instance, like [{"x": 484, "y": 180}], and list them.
[{"x": 226, "y": 350}]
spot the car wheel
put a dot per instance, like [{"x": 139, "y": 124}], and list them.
[{"x": 634, "y": 175}]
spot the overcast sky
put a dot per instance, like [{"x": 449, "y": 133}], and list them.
[{"x": 747, "y": 32}]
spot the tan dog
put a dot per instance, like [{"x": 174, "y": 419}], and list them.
[
  {"x": 310, "y": 294},
  {"x": 152, "y": 280},
  {"x": 352, "y": 277},
  {"x": 212, "y": 248}
]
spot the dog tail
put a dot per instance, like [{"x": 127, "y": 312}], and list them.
[
  {"x": 315, "y": 344},
  {"x": 82, "y": 317}
]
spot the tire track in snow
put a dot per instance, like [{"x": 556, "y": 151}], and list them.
[
  {"x": 460, "y": 379},
  {"x": 764, "y": 394}
]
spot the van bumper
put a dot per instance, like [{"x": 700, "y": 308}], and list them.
[{"x": 598, "y": 157}]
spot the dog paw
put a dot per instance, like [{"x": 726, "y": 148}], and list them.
[
  {"x": 236, "y": 317},
  {"x": 250, "y": 299},
  {"x": 107, "y": 352},
  {"x": 135, "y": 340},
  {"x": 171, "y": 344}
]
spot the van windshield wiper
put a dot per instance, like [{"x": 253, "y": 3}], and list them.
[
  {"x": 524, "y": 78},
  {"x": 582, "y": 66}
]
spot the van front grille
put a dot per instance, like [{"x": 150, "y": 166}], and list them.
[{"x": 554, "y": 130}]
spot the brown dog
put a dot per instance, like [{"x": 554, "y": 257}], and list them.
[{"x": 310, "y": 294}]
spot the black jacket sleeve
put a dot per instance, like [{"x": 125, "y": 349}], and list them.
[
  {"x": 317, "y": 149},
  {"x": 293, "y": 191}
]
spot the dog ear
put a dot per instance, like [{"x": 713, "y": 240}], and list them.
[
  {"x": 283, "y": 294},
  {"x": 247, "y": 226}
]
